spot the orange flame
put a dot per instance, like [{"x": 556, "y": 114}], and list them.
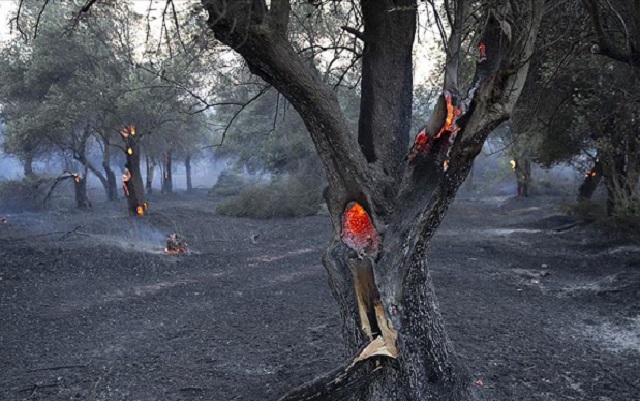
[
  {"x": 449, "y": 122},
  {"x": 129, "y": 151},
  {"x": 591, "y": 174},
  {"x": 76, "y": 178},
  {"x": 140, "y": 210},
  {"x": 358, "y": 231}
]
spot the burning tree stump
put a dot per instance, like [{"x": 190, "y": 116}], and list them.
[
  {"x": 590, "y": 183},
  {"x": 175, "y": 244},
  {"x": 132, "y": 177}
]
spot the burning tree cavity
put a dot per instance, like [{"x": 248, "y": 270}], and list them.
[{"x": 132, "y": 177}]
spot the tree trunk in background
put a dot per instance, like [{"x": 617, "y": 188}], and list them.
[
  {"x": 80, "y": 191},
  {"x": 151, "y": 169},
  {"x": 112, "y": 184},
  {"x": 523, "y": 176},
  {"x": 187, "y": 167},
  {"x": 27, "y": 164},
  {"x": 590, "y": 182},
  {"x": 167, "y": 178},
  {"x": 621, "y": 170},
  {"x": 385, "y": 209}
]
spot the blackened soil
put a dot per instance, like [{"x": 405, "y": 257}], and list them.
[{"x": 91, "y": 308}]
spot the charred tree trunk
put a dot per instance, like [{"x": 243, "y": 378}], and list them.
[
  {"x": 590, "y": 182},
  {"x": 80, "y": 191},
  {"x": 187, "y": 167},
  {"x": 151, "y": 169},
  {"x": 167, "y": 178},
  {"x": 621, "y": 170},
  {"x": 133, "y": 186},
  {"x": 522, "y": 171},
  {"x": 384, "y": 209}
]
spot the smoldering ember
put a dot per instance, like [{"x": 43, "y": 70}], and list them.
[{"x": 391, "y": 200}]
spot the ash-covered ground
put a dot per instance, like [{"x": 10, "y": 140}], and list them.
[{"x": 92, "y": 309}]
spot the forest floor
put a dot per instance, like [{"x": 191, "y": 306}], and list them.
[{"x": 92, "y": 309}]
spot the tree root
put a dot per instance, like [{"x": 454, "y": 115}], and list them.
[{"x": 345, "y": 380}]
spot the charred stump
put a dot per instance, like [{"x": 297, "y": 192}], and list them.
[
  {"x": 590, "y": 182},
  {"x": 132, "y": 177}
]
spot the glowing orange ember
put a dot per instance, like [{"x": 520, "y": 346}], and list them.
[
  {"x": 513, "y": 165},
  {"x": 76, "y": 178},
  {"x": 483, "y": 50},
  {"x": 591, "y": 174},
  {"x": 357, "y": 230},
  {"x": 175, "y": 244},
  {"x": 140, "y": 210},
  {"x": 129, "y": 151}
]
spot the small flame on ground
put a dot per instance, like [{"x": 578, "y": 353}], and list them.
[
  {"x": 513, "y": 165},
  {"x": 175, "y": 244}
]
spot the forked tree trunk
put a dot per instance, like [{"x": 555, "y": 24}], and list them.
[
  {"x": 384, "y": 209},
  {"x": 187, "y": 167},
  {"x": 167, "y": 177}
]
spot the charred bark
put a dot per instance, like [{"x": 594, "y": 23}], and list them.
[
  {"x": 133, "y": 186},
  {"x": 381, "y": 280}
]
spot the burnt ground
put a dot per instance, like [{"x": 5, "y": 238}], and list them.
[{"x": 91, "y": 308}]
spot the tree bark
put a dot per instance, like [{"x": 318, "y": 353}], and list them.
[
  {"x": 383, "y": 288},
  {"x": 187, "y": 167}
]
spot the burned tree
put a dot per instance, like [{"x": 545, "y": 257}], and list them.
[
  {"x": 381, "y": 281},
  {"x": 132, "y": 177}
]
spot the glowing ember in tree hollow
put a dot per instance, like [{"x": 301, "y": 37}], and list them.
[
  {"x": 357, "y": 230},
  {"x": 591, "y": 174},
  {"x": 513, "y": 165}
]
